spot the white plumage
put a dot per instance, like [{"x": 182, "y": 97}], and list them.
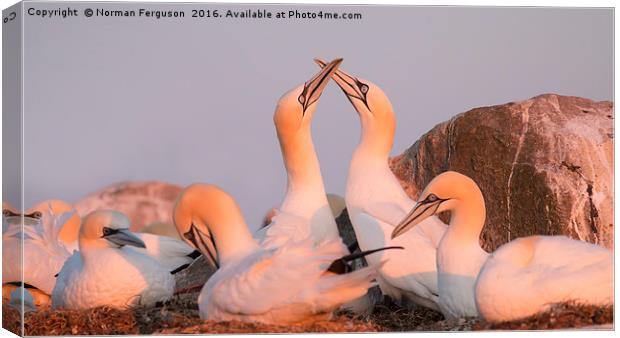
[
  {"x": 376, "y": 201},
  {"x": 44, "y": 254},
  {"x": 305, "y": 193},
  {"x": 519, "y": 279},
  {"x": 285, "y": 284},
  {"x": 102, "y": 273},
  {"x": 282, "y": 285},
  {"x": 529, "y": 274}
]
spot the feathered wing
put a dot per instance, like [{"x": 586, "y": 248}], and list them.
[
  {"x": 412, "y": 271},
  {"x": 72, "y": 265},
  {"x": 526, "y": 275},
  {"x": 284, "y": 284},
  {"x": 170, "y": 252},
  {"x": 284, "y": 227}
]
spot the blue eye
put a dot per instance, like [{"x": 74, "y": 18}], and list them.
[
  {"x": 364, "y": 89},
  {"x": 432, "y": 198}
]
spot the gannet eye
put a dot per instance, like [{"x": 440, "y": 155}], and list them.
[
  {"x": 432, "y": 198},
  {"x": 37, "y": 214},
  {"x": 107, "y": 231},
  {"x": 364, "y": 89},
  {"x": 301, "y": 99}
]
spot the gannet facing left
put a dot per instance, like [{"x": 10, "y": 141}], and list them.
[
  {"x": 291, "y": 283},
  {"x": 305, "y": 192},
  {"x": 376, "y": 201},
  {"x": 102, "y": 273},
  {"x": 522, "y": 277}
]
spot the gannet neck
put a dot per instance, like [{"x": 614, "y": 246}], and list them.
[
  {"x": 214, "y": 213},
  {"x": 377, "y": 135},
  {"x": 305, "y": 188},
  {"x": 459, "y": 250},
  {"x": 467, "y": 218},
  {"x": 232, "y": 239}
]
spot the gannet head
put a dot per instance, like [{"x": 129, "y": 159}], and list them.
[
  {"x": 296, "y": 107},
  {"x": 367, "y": 98},
  {"x": 373, "y": 107},
  {"x": 205, "y": 215},
  {"x": 106, "y": 229},
  {"x": 12, "y": 216},
  {"x": 447, "y": 191},
  {"x": 70, "y": 229}
]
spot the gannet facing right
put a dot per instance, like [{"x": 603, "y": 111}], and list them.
[
  {"x": 376, "y": 201},
  {"x": 170, "y": 252},
  {"x": 103, "y": 273},
  {"x": 305, "y": 193},
  {"x": 522, "y": 277},
  {"x": 290, "y": 283}
]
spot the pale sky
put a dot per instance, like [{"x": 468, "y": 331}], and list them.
[{"x": 191, "y": 100}]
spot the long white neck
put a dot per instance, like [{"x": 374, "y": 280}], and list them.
[
  {"x": 459, "y": 251},
  {"x": 370, "y": 178},
  {"x": 305, "y": 191}
]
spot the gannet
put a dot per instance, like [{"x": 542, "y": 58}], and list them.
[
  {"x": 376, "y": 201},
  {"x": 102, "y": 273},
  {"x": 290, "y": 283},
  {"x": 70, "y": 229},
  {"x": 519, "y": 279},
  {"x": 43, "y": 252},
  {"x": 172, "y": 253},
  {"x": 305, "y": 193}
]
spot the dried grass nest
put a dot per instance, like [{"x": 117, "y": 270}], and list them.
[{"x": 180, "y": 316}]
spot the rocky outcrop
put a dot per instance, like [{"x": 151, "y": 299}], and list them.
[
  {"x": 544, "y": 165},
  {"x": 143, "y": 202}
]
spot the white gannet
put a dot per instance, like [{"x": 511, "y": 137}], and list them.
[
  {"x": 102, "y": 273},
  {"x": 305, "y": 193},
  {"x": 172, "y": 253},
  {"x": 376, "y": 201},
  {"x": 290, "y": 283},
  {"x": 43, "y": 252},
  {"x": 519, "y": 279}
]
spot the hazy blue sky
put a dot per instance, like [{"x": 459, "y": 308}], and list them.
[{"x": 191, "y": 100}]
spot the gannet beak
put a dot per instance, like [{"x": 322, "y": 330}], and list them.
[
  {"x": 203, "y": 242},
  {"x": 313, "y": 88},
  {"x": 122, "y": 237},
  {"x": 353, "y": 88},
  {"x": 421, "y": 211}
]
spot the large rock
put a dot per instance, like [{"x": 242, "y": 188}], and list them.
[
  {"x": 143, "y": 202},
  {"x": 544, "y": 165}
]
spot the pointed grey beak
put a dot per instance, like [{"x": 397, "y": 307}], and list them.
[
  {"x": 352, "y": 87},
  {"x": 314, "y": 87},
  {"x": 123, "y": 237},
  {"x": 420, "y": 212}
]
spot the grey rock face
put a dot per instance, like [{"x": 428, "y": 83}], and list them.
[{"x": 544, "y": 165}]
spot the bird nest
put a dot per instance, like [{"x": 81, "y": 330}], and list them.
[{"x": 180, "y": 316}]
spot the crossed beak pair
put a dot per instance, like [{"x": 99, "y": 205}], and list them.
[
  {"x": 421, "y": 211},
  {"x": 352, "y": 87}
]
